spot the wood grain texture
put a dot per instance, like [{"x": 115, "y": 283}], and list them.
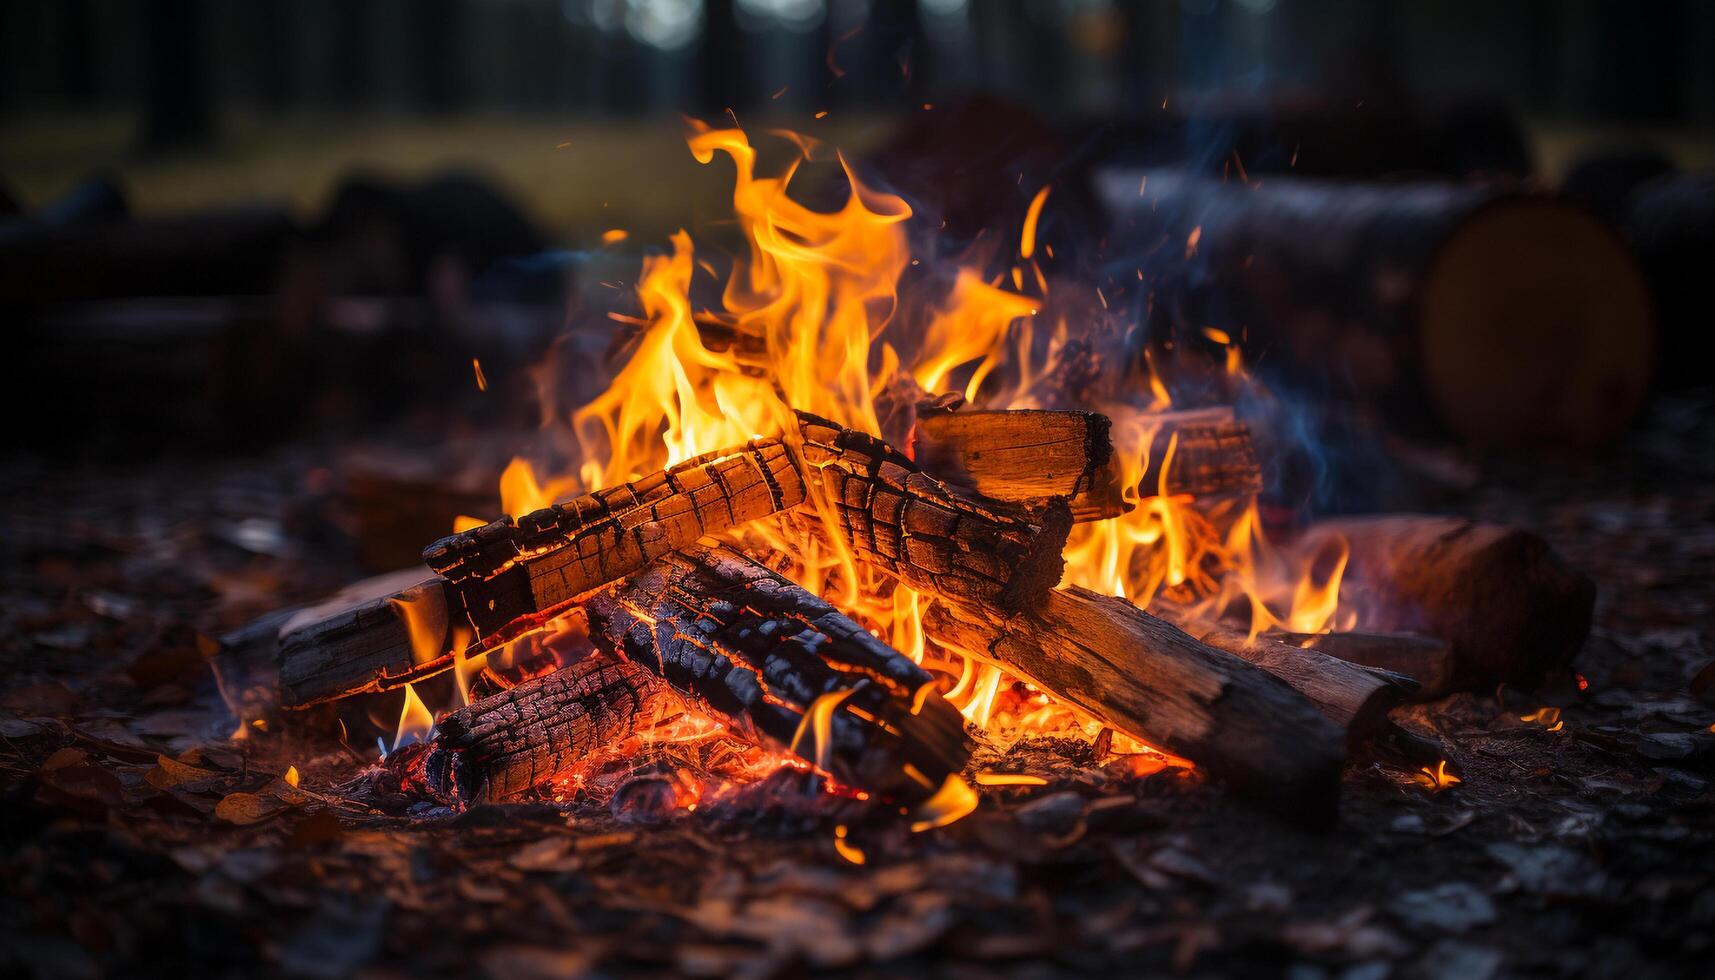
[
  {"x": 357, "y": 642},
  {"x": 760, "y": 651},
  {"x": 931, "y": 536},
  {"x": 1428, "y": 660},
  {"x": 509, "y": 575},
  {"x": 1146, "y": 678},
  {"x": 1024, "y": 456},
  {"x": 1355, "y": 698}
]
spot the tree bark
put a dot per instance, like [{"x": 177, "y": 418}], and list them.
[
  {"x": 523, "y": 737},
  {"x": 763, "y": 653},
  {"x": 511, "y": 576},
  {"x": 1144, "y": 677},
  {"x": 930, "y": 536}
]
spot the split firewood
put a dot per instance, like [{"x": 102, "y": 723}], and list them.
[
  {"x": 1428, "y": 660},
  {"x": 521, "y": 738},
  {"x": 361, "y": 640},
  {"x": 1146, "y": 678},
  {"x": 1512, "y": 609},
  {"x": 784, "y": 666},
  {"x": 511, "y": 576},
  {"x": 1025, "y": 456},
  {"x": 932, "y": 537},
  {"x": 1354, "y": 697}
]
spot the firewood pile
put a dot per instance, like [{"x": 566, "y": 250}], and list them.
[
  {"x": 136, "y": 828},
  {"x": 975, "y": 519}
]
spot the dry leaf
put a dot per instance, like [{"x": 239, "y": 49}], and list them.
[
  {"x": 169, "y": 772},
  {"x": 247, "y": 808}
]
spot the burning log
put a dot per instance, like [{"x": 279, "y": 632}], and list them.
[
  {"x": 361, "y": 640},
  {"x": 1028, "y": 456},
  {"x": 1512, "y": 609},
  {"x": 1023, "y": 456},
  {"x": 783, "y": 665},
  {"x": 1145, "y": 677},
  {"x": 522, "y": 737},
  {"x": 1355, "y": 698},
  {"x": 511, "y": 576},
  {"x": 930, "y": 536},
  {"x": 1427, "y": 660},
  {"x": 507, "y": 578},
  {"x": 1392, "y": 292}
]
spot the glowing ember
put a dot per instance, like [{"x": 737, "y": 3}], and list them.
[
  {"x": 844, "y": 849},
  {"x": 1008, "y": 779}
]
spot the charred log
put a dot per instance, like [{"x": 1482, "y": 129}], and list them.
[
  {"x": 523, "y": 737},
  {"x": 510, "y": 576},
  {"x": 1512, "y": 609},
  {"x": 929, "y": 535},
  {"x": 1143, "y": 676},
  {"x": 783, "y": 666}
]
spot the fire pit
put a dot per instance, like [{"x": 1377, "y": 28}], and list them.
[{"x": 888, "y": 615}]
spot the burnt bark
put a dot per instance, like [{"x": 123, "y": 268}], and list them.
[
  {"x": 510, "y": 576},
  {"x": 927, "y": 534},
  {"x": 523, "y": 737},
  {"x": 763, "y": 653}
]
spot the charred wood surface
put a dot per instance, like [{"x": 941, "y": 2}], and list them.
[
  {"x": 511, "y": 575},
  {"x": 931, "y": 536},
  {"x": 780, "y": 664},
  {"x": 1512, "y": 609},
  {"x": 522, "y": 737},
  {"x": 1355, "y": 698},
  {"x": 359, "y": 641},
  {"x": 1145, "y": 677}
]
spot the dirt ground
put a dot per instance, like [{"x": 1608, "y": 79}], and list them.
[{"x": 140, "y": 839}]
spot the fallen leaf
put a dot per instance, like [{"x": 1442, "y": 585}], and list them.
[
  {"x": 169, "y": 772},
  {"x": 244, "y": 809}
]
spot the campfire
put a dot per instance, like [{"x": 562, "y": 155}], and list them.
[{"x": 867, "y": 517}]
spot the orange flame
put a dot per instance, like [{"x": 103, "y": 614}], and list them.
[{"x": 415, "y": 721}]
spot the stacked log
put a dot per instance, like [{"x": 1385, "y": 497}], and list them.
[{"x": 1511, "y": 320}]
